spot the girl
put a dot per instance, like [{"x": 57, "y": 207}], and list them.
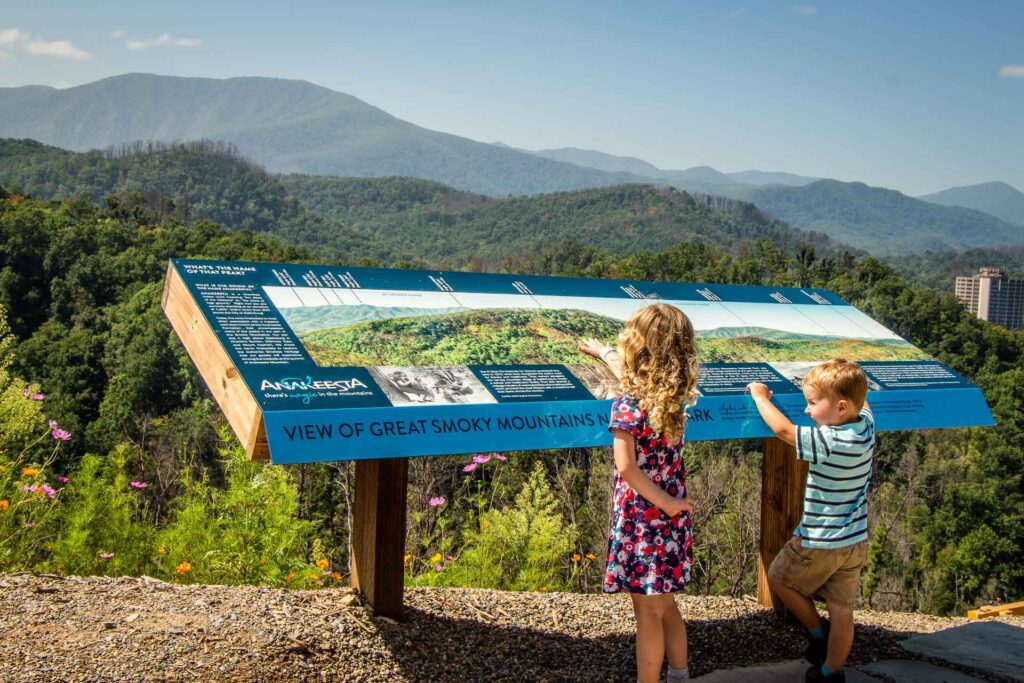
[{"x": 650, "y": 547}]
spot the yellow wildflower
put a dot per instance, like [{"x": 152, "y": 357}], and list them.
[
  {"x": 313, "y": 576},
  {"x": 290, "y": 577},
  {"x": 407, "y": 558},
  {"x": 4, "y": 504},
  {"x": 435, "y": 558},
  {"x": 575, "y": 557},
  {"x": 590, "y": 556},
  {"x": 323, "y": 563},
  {"x": 183, "y": 568},
  {"x": 29, "y": 471},
  {"x": 162, "y": 550}
]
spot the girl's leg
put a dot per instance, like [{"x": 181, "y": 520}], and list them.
[
  {"x": 650, "y": 636},
  {"x": 675, "y": 633}
]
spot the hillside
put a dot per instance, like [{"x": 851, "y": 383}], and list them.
[
  {"x": 882, "y": 221},
  {"x": 197, "y": 632},
  {"x": 998, "y": 199},
  {"x": 188, "y": 182},
  {"x": 285, "y": 125},
  {"x": 939, "y": 270},
  {"x": 392, "y": 219},
  {"x": 703, "y": 176}
]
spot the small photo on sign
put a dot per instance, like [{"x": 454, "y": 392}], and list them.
[
  {"x": 430, "y": 385},
  {"x": 598, "y": 379}
]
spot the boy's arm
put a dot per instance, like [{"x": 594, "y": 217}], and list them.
[{"x": 773, "y": 417}]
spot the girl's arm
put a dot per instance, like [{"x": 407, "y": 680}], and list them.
[
  {"x": 624, "y": 449},
  {"x": 609, "y": 354}
]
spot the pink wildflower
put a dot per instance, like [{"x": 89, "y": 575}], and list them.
[
  {"x": 48, "y": 490},
  {"x": 439, "y": 568},
  {"x": 24, "y": 392},
  {"x": 106, "y": 556},
  {"x": 138, "y": 484},
  {"x": 62, "y": 480},
  {"x": 434, "y": 502},
  {"x": 29, "y": 525},
  {"x": 499, "y": 456},
  {"x": 61, "y": 435},
  {"x": 481, "y": 459},
  {"x": 470, "y": 467},
  {"x": 38, "y": 397},
  {"x": 53, "y": 424}
]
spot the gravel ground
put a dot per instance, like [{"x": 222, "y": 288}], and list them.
[{"x": 130, "y": 629}]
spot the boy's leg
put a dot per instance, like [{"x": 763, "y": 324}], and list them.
[
  {"x": 675, "y": 633},
  {"x": 650, "y": 636},
  {"x": 840, "y": 637},
  {"x": 800, "y": 605}
]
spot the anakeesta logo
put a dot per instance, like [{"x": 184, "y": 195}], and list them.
[{"x": 308, "y": 388}]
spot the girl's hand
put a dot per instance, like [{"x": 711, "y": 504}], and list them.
[
  {"x": 673, "y": 506},
  {"x": 592, "y": 347}
]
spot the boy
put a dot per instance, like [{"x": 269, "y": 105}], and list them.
[{"x": 829, "y": 547}]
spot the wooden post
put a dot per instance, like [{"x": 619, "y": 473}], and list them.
[
  {"x": 378, "y": 533},
  {"x": 782, "y": 495}
]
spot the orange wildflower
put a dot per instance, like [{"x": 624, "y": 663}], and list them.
[
  {"x": 323, "y": 563},
  {"x": 4, "y": 504},
  {"x": 183, "y": 568},
  {"x": 29, "y": 471}
]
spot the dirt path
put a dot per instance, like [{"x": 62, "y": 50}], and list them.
[{"x": 128, "y": 629}]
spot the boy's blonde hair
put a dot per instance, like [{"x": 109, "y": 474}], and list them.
[
  {"x": 840, "y": 378},
  {"x": 659, "y": 366}
]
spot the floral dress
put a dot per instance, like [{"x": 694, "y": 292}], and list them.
[{"x": 648, "y": 552}]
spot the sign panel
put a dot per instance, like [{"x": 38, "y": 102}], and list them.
[{"x": 349, "y": 363}]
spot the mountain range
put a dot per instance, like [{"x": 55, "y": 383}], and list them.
[{"x": 296, "y": 127}]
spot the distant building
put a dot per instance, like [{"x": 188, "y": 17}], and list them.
[{"x": 994, "y": 297}]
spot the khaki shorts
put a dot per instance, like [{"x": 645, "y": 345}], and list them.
[{"x": 831, "y": 575}]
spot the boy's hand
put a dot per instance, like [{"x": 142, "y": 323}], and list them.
[
  {"x": 673, "y": 506},
  {"x": 758, "y": 390},
  {"x": 592, "y": 347}
]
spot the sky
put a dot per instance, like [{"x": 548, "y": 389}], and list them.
[{"x": 915, "y": 96}]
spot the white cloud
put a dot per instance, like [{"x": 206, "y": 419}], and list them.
[
  {"x": 161, "y": 41},
  {"x": 12, "y": 36},
  {"x": 55, "y": 48},
  {"x": 16, "y": 39},
  {"x": 61, "y": 85},
  {"x": 1008, "y": 71},
  {"x": 805, "y": 10},
  {"x": 736, "y": 13},
  {"x": 118, "y": 34}
]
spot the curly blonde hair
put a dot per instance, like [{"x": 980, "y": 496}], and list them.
[{"x": 659, "y": 366}]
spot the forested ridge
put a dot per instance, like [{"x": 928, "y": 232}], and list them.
[
  {"x": 382, "y": 220},
  {"x": 137, "y": 473}
]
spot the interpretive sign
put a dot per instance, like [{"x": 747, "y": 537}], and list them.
[{"x": 341, "y": 363}]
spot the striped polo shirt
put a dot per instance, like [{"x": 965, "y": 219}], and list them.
[{"x": 836, "y": 497}]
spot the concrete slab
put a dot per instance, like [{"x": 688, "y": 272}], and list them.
[
  {"x": 987, "y": 645},
  {"x": 784, "y": 672},
  {"x": 910, "y": 671}
]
